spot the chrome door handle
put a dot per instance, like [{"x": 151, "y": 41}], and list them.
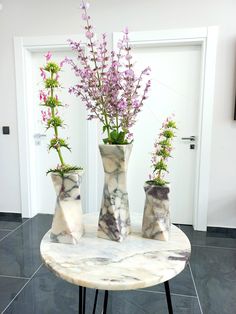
[
  {"x": 39, "y": 135},
  {"x": 191, "y": 138}
]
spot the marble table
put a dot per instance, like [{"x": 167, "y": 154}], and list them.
[{"x": 109, "y": 265}]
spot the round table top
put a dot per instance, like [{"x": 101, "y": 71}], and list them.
[{"x": 135, "y": 263}]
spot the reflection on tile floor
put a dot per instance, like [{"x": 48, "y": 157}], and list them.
[{"x": 207, "y": 285}]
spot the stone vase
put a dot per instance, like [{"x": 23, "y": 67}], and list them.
[
  {"x": 67, "y": 225},
  {"x": 114, "y": 218},
  {"x": 156, "y": 216}
]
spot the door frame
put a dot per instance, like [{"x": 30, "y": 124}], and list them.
[
  {"x": 23, "y": 47},
  {"x": 205, "y": 37}
]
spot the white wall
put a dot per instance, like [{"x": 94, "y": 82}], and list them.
[{"x": 54, "y": 17}]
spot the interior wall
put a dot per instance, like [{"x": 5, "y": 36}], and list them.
[{"x": 56, "y": 17}]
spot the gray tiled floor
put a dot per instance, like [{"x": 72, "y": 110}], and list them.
[{"x": 207, "y": 285}]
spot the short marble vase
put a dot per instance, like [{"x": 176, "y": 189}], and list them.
[
  {"x": 114, "y": 218},
  {"x": 67, "y": 225},
  {"x": 156, "y": 216}
]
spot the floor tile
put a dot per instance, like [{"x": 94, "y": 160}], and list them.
[
  {"x": 139, "y": 302},
  {"x": 214, "y": 272},
  {"x": 3, "y": 233},
  {"x": 48, "y": 294},
  {"x": 9, "y": 287},
  {"x": 181, "y": 284},
  {"x": 222, "y": 232},
  {"x": 208, "y": 238},
  {"x": 11, "y": 225},
  {"x": 20, "y": 255}
]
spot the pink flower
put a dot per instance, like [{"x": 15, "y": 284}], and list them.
[
  {"x": 130, "y": 136},
  {"x": 129, "y": 73},
  {"x": 42, "y": 96},
  {"x": 136, "y": 104},
  {"x": 48, "y": 56},
  {"x": 107, "y": 82},
  {"x": 46, "y": 115},
  {"x": 66, "y": 60},
  {"x": 43, "y": 74},
  {"x": 89, "y": 34},
  {"x": 84, "y": 5},
  {"x": 85, "y": 16},
  {"x": 147, "y": 71},
  {"x": 128, "y": 57},
  {"x": 122, "y": 105},
  {"x": 126, "y": 30}
]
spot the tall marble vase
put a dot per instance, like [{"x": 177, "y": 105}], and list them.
[
  {"x": 156, "y": 216},
  {"x": 67, "y": 225},
  {"x": 114, "y": 219}
]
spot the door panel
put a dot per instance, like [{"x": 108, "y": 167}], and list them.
[{"x": 175, "y": 90}]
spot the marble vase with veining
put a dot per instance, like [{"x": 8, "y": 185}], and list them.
[
  {"x": 114, "y": 218},
  {"x": 156, "y": 217},
  {"x": 67, "y": 225}
]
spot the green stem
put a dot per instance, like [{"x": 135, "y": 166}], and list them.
[
  {"x": 58, "y": 149},
  {"x": 117, "y": 123}
]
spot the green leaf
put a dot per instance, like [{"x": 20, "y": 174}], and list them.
[
  {"x": 121, "y": 138},
  {"x": 51, "y": 83},
  {"x": 52, "y": 67},
  {"x": 64, "y": 169},
  {"x": 168, "y": 134},
  {"x": 160, "y": 165},
  {"x": 52, "y": 102},
  {"x": 54, "y": 122},
  {"x": 157, "y": 181},
  {"x": 58, "y": 143},
  {"x": 114, "y": 136},
  {"x": 171, "y": 124}
]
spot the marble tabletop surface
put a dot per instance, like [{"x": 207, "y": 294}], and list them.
[{"x": 103, "y": 264}]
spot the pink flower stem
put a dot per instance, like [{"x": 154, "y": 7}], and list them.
[{"x": 98, "y": 75}]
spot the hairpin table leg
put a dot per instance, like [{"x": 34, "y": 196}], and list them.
[
  {"x": 84, "y": 300},
  {"x": 168, "y": 297},
  {"x": 105, "y": 302},
  {"x": 95, "y": 301},
  {"x": 80, "y": 300}
]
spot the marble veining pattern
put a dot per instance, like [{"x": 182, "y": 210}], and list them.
[
  {"x": 156, "y": 216},
  {"x": 67, "y": 225},
  {"x": 114, "y": 219},
  {"x": 135, "y": 263}
]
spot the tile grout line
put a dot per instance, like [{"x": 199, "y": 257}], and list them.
[
  {"x": 14, "y": 277},
  {"x": 15, "y": 229},
  {"x": 195, "y": 288},
  {"x": 214, "y": 247},
  {"x": 176, "y": 294},
  {"x": 21, "y": 289},
  {"x": 3, "y": 229}
]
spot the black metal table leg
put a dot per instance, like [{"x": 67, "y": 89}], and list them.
[
  {"x": 84, "y": 300},
  {"x": 95, "y": 301},
  {"x": 168, "y": 297},
  {"x": 80, "y": 300},
  {"x": 105, "y": 302}
]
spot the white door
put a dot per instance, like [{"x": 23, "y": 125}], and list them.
[
  {"x": 75, "y": 130},
  {"x": 176, "y": 77}
]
